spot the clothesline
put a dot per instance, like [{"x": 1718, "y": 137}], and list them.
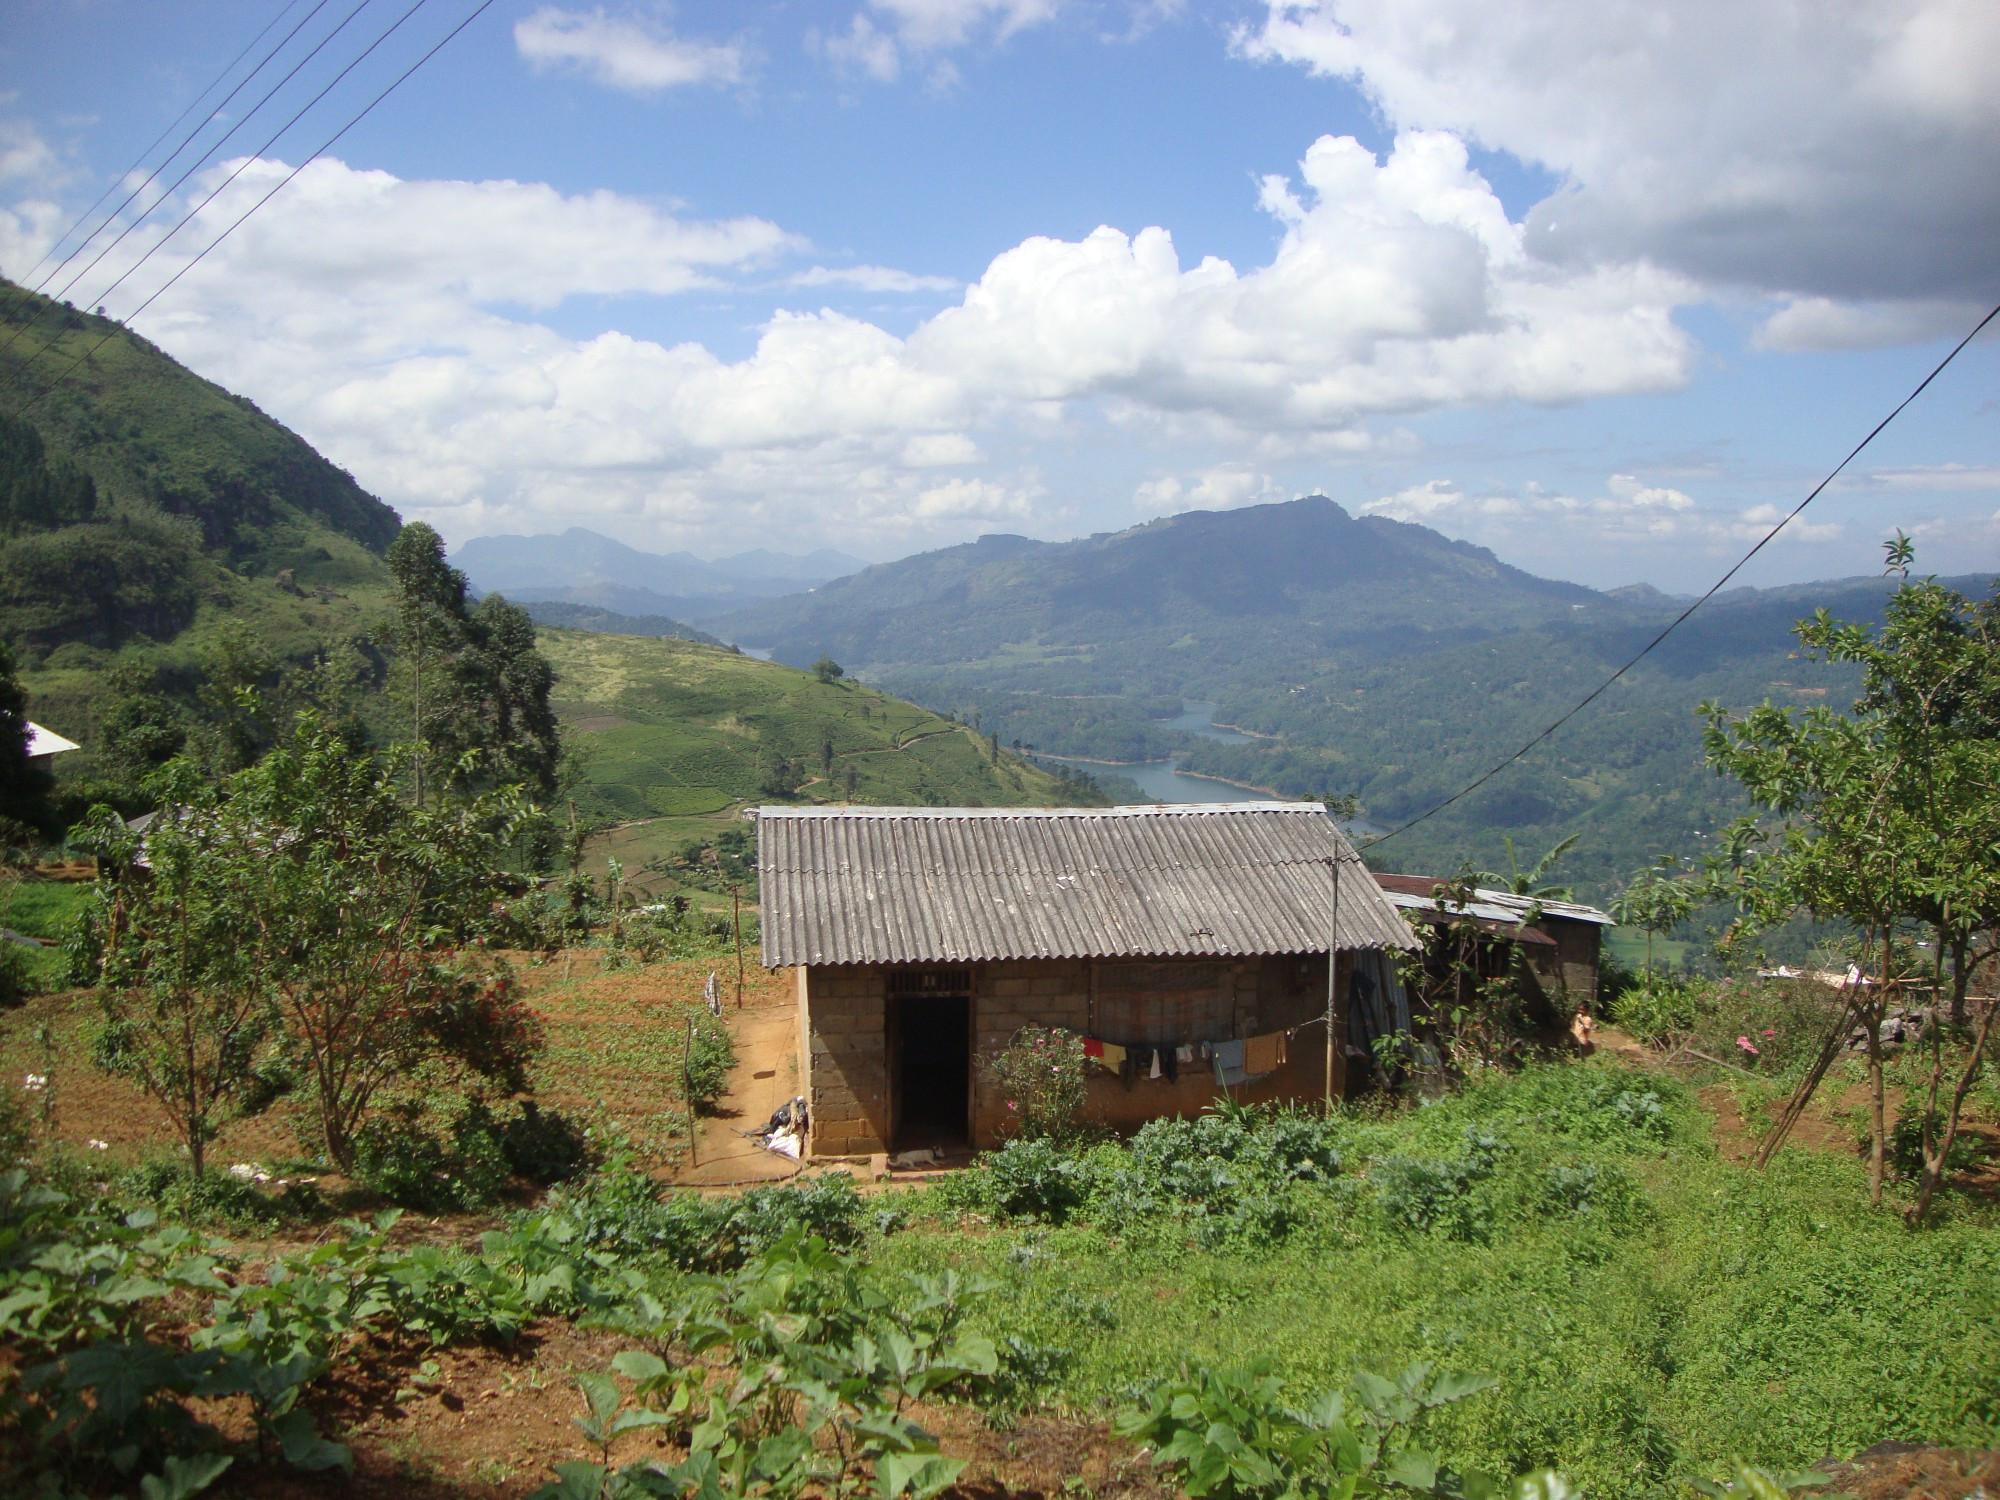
[{"x": 1235, "y": 1060}]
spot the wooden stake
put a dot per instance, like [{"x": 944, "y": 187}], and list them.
[
  {"x": 736, "y": 914},
  {"x": 687, "y": 1093}
]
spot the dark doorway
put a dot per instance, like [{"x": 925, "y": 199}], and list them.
[{"x": 930, "y": 1058}]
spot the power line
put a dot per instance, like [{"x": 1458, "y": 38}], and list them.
[
  {"x": 241, "y": 167},
  {"x": 1680, "y": 619},
  {"x": 195, "y": 165},
  {"x": 185, "y": 141},
  {"x": 325, "y": 146}
]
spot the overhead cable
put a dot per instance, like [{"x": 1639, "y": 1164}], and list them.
[
  {"x": 195, "y": 165},
  {"x": 185, "y": 141},
  {"x": 1681, "y": 619},
  {"x": 321, "y": 150}
]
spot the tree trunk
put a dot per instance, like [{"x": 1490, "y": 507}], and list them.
[
  {"x": 1878, "y": 1132},
  {"x": 1934, "y": 1165}
]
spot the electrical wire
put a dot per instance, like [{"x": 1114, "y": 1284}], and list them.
[
  {"x": 325, "y": 146},
  {"x": 185, "y": 141},
  {"x": 1681, "y": 619},
  {"x": 195, "y": 166}
]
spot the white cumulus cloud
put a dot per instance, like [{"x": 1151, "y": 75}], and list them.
[
  {"x": 383, "y": 318},
  {"x": 623, "y": 53},
  {"x": 1846, "y": 150},
  {"x": 1629, "y": 511}
]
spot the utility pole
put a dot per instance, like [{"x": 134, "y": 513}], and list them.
[
  {"x": 736, "y": 915},
  {"x": 687, "y": 1093},
  {"x": 1332, "y": 973}
]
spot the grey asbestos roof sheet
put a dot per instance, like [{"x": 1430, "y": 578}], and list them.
[{"x": 858, "y": 885}]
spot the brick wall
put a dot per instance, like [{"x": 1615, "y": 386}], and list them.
[
  {"x": 844, "y": 1043},
  {"x": 847, "y": 1060},
  {"x": 1006, "y": 997}
]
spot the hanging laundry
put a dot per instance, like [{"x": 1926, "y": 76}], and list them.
[
  {"x": 1184, "y": 1053},
  {"x": 1170, "y": 1059},
  {"x": 1154, "y": 1070},
  {"x": 1228, "y": 1058},
  {"x": 1264, "y": 1054},
  {"x": 1092, "y": 1047},
  {"x": 1110, "y": 1056}
]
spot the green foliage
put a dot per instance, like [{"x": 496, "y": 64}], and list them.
[
  {"x": 1040, "y": 1076},
  {"x": 711, "y": 1057},
  {"x": 790, "y": 1376},
  {"x": 619, "y": 1209},
  {"x": 104, "y": 1387},
  {"x": 1658, "y": 1008},
  {"x": 1229, "y": 1434}
]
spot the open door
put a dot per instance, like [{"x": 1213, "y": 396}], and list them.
[{"x": 930, "y": 1059}]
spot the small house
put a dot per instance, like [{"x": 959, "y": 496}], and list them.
[
  {"x": 1559, "y": 944},
  {"x": 1190, "y": 945}
]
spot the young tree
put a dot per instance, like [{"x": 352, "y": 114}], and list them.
[
  {"x": 1880, "y": 819},
  {"x": 182, "y": 1007},
  {"x": 1656, "y": 900},
  {"x": 305, "y": 895},
  {"x": 360, "y": 916}
]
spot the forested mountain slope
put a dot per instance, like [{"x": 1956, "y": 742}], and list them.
[
  {"x": 1372, "y": 657},
  {"x": 164, "y": 543},
  {"x": 164, "y": 535}
]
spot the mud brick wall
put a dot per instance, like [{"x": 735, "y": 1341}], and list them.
[
  {"x": 1006, "y": 997},
  {"x": 847, "y": 1060}
]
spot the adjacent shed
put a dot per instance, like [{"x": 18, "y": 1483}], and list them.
[
  {"x": 1560, "y": 943},
  {"x": 1188, "y": 943}
]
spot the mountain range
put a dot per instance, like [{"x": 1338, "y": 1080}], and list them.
[
  {"x": 1358, "y": 655},
  {"x": 585, "y": 568},
  {"x": 163, "y": 543}
]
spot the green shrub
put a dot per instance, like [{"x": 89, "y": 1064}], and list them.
[
  {"x": 213, "y": 1197},
  {"x": 1444, "y": 1196},
  {"x": 620, "y": 1209},
  {"x": 545, "y": 1146},
  {"x": 711, "y": 1056},
  {"x": 1040, "y": 1076},
  {"x": 1033, "y": 1178},
  {"x": 1659, "y": 1008},
  {"x": 414, "y": 1166}
]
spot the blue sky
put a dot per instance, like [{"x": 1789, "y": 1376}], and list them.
[{"x": 1598, "y": 285}]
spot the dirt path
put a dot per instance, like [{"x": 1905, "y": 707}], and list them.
[{"x": 765, "y": 1076}]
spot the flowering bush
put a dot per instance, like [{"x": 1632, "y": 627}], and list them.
[{"x": 1040, "y": 1076}]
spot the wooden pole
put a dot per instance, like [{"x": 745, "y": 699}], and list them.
[
  {"x": 1332, "y": 974},
  {"x": 687, "y": 1093},
  {"x": 736, "y": 914}
]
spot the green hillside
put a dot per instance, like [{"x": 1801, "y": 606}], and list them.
[
  {"x": 1370, "y": 657},
  {"x": 165, "y": 542},
  {"x": 675, "y": 737},
  {"x": 162, "y": 530}
]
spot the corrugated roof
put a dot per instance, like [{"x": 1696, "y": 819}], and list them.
[
  {"x": 1411, "y": 891},
  {"x": 47, "y": 742},
  {"x": 953, "y": 885}
]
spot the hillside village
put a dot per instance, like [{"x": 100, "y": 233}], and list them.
[
  {"x": 777, "y": 986},
  {"x": 999, "y": 750}
]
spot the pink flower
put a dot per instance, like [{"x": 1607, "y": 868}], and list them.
[
  {"x": 1748, "y": 1046},
  {"x": 1769, "y": 1034}
]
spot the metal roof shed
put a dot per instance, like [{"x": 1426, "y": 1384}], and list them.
[
  {"x": 870, "y": 885},
  {"x": 925, "y": 938}
]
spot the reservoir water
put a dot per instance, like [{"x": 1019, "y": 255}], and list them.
[{"x": 1164, "y": 781}]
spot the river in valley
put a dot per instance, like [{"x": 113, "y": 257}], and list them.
[{"x": 1164, "y": 781}]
